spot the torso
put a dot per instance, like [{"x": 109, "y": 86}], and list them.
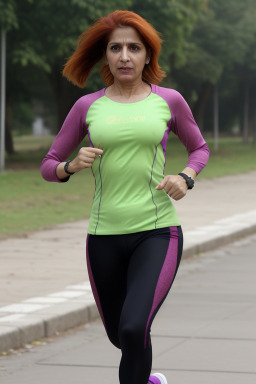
[{"x": 132, "y": 136}]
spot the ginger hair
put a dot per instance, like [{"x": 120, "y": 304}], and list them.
[{"x": 92, "y": 43}]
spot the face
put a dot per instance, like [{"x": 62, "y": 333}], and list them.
[{"x": 126, "y": 54}]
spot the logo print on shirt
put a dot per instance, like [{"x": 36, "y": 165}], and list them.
[{"x": 124, "y": 120}]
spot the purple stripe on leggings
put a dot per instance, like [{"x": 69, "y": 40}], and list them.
[
  {"x": 94, "y": 289},
  {"x": 166, "y": 275}
]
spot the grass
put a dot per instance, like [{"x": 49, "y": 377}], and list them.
[{"x": 27, "y": 202}]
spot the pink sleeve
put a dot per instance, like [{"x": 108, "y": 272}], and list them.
[
  {"x": 184, "y": 126},
  {"x": 69, "y": 137}
]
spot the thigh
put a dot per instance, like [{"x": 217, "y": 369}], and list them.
[
  {"x": 107, "y": 268},
  {"x": 152, "y": 269}
]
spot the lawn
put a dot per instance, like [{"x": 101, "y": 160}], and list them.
[{"x": 27, "y": 202}]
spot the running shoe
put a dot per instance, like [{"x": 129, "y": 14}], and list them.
[{"x": 157, "y": 378}]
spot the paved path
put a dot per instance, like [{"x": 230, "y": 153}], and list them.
[
  {"x": 43, "y": 278},
  {"x": 203, "y": 333}
]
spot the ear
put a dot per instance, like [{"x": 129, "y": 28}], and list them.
[{"x": 148, "y": 56}]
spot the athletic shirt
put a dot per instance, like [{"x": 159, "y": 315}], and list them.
[{"x": 133, "y": 138}]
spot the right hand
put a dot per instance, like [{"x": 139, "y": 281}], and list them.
[{"x": 84, "y": 158}]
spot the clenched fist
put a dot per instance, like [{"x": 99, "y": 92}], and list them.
[
  {"x": 174, "y": 185},
  {"x": 84, "y": 158}
]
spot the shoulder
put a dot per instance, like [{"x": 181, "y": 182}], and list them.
[
  {"x": 85, "y": 101},
  {"x": 174, "y": 99},
  {"x": 169, "y": 94}
]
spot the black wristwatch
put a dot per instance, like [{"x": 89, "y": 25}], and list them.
[
  {"x": 190, "y": 182},
  {"x": 66, "y": 168}
]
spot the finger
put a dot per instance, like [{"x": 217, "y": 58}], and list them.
[
  {"x": 89, "y": 155},
  {"x": 178, "y": 195},
  {"x": 84, "y": 153},
  {"x": 177, "y": 188},
  {"x": 170, "y": 190},
  {"x": 87, "y": 165},
  {"x": 168, "y": 184},
  {"x": 161, "y": 185},
  {"x": 89, "y": 160},
  {"x": 97, "y": 151},
  {"x": 83, "y": 158}
]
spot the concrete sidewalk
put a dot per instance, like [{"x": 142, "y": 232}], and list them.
[
  {"x": 44, "y": 287},
  {"x": 203, "y": 333}
]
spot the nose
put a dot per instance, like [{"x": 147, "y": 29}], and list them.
[{"x": 124, "y": 55}]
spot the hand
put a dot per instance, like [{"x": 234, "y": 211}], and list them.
[
  {"x": 174, "y": 185},
  {"x": 84, "y": 158}
]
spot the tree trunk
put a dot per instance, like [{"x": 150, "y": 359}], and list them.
[
  {"x": 246, "y": 114},
  {"x": 199, "y": 107},
  {"x": 65, "y": 95},
  {"x": 8, "y": 133},
  {"x": 216, "y": 118},
  {"x": 254, "y": 122}
]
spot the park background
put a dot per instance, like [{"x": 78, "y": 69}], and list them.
[{"x": 208, "y": 53}]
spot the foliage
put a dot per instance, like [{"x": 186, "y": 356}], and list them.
[
  {"x": 204, "y": 42},
  {"x": 49, "y": 29},
  {"x": 220, "y": 39},
  {"x": 23, "y": 117},
  {"x": 175, "y": 20},
  {"x": 8, "y": 18}
]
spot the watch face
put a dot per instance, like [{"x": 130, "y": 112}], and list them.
[{"x": 190, "y": 182}]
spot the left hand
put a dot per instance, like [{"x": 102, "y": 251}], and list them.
[{"x": 174, "y": 185}]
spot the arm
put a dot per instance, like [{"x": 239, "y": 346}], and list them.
[
  {"x": 185, "y": 127},
  {"x": 84, "y": 159},
  {"x": 70, "y": 136}
]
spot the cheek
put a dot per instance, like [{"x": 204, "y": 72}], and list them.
[{"x": 141, "y": 62}]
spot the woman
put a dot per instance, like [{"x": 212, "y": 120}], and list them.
[{"x": 134, "y": 240}]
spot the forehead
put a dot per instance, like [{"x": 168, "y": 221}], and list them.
[{"x": 125, "y": 35}]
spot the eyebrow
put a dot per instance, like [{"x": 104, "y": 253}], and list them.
[{"x": 137, "y": 43}]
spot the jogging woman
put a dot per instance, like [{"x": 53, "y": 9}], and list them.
[{"x": 134, "y": 241}]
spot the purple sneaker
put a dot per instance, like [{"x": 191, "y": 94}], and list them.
[{"x": 157, "y": 378}]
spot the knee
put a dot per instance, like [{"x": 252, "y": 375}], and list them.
[
  {"x": 132, "y": 335},
  {"x": 114, "y": 339}
]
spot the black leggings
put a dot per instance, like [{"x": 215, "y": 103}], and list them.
[{"x": 130, "y": 276}]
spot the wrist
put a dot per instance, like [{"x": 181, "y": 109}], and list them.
[
  {"x": 189, "y": 181},
  {"x": 68, "y": 168}
]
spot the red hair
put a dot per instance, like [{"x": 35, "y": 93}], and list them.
[{"x": 93, "y": 42}]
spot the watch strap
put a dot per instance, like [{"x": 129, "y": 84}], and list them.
[
  {"x": 189, "y": 181},
  {"x": 66, "y": 168}
]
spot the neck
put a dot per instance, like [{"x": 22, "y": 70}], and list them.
[{"x": 128, "y": 90}]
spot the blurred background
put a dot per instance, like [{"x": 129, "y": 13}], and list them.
[{"x": 208, "y": 53}]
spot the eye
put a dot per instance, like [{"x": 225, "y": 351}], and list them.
[
  {"x": 134, "y": 48},
  {"x": 114, "y": 48}
]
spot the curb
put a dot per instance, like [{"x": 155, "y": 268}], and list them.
[
  {"x": 75, "y": 306},
  {"x": 211, "y": 244},
  {"x": 39, "y": 326}
]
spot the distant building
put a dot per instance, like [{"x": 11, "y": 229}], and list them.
[{"x": 38, "y": 128}]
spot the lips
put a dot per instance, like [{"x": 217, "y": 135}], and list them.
[{"x": 125, "y": 69}]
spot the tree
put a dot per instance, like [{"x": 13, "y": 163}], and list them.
[
  {"x": 46, "y": 45},
  {"x": 48, "y": 35},
  {"x": 8, "y": 20},
  {"x": 217, "y": 44},
  {"x": 175, "y": 20}
]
